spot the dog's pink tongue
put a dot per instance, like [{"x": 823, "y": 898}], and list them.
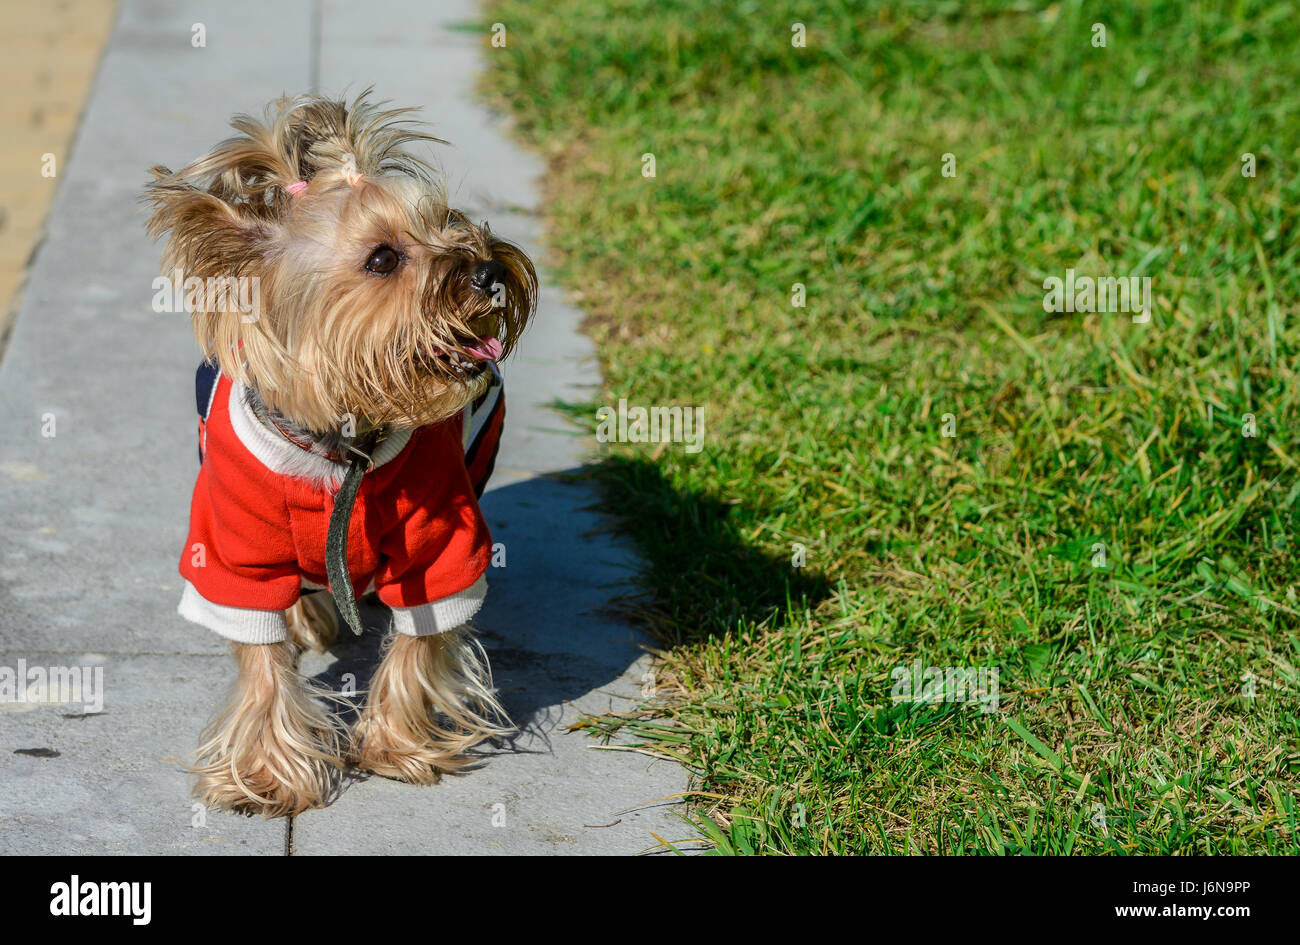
[{"x": 489, "y": 349}]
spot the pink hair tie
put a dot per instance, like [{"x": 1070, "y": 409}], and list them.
[{"x": 296, "y": 188}]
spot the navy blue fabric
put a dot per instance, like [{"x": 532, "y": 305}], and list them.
[
  {"x": 205, "y": 382},
  {"x": 205, "y": 378}
]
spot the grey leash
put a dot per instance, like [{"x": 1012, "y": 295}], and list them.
[{"x": 336, "y": 541}]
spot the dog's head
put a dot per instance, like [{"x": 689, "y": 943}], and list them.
[{"x": 372, "y": 300}]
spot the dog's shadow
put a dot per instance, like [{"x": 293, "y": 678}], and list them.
[
  {"x": 548, "y": 626},
  {"x": 545, "y": 625}
]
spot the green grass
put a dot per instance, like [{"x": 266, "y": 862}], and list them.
[{"x": 1121, "y": 685}]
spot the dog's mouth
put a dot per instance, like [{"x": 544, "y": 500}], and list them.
[
  {"x": 483, "y": 349},
  {"x": 471, "y": 357}
]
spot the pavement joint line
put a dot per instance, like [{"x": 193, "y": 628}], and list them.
[{"x": 313, "y": 65}]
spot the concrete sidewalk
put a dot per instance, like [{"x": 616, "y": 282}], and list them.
[{"x": 92, "y": 518}]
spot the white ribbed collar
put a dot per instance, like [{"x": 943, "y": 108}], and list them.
[{"x": 286, "y": 458}]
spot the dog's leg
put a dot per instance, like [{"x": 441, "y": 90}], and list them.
[
  {"x": 272, "y": 750},
  {"x": 313, "y": 622},
  {"x": 430, "y": 700}
]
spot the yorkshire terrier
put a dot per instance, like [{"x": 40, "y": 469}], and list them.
[{"x": 348, "y": 421}]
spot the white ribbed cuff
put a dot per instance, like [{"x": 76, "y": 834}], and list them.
[
  {"x": 439, "y": 616},
  {"x": 241, "y": 624}
]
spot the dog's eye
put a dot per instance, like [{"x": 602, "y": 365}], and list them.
[{"x": 383, "y": 260}]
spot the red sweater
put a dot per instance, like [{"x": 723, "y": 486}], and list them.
[{"x": 261, "y": 510}]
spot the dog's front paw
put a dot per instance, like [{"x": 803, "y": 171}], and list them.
[
  {"x": 430, "y": 702},
  {"x": 272, "y": 751},
  {"x": 413, "y": 763},
  {"x": 226, "y": 784}
]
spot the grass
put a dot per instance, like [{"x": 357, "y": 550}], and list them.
[{"x": 1103, "y": 529}]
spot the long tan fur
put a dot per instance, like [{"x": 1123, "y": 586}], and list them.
[
  {"x": 430, "y": 701},
  {"x": 313, "y": 622},
  {"x": 272, "y": 750}
]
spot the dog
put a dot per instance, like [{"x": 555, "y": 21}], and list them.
[{"x": 349, "y": 419}]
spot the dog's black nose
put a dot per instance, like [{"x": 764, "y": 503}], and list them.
[{"x": 486, "y": 275}]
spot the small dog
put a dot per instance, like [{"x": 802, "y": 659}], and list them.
[{"x": 349, "y": 420}]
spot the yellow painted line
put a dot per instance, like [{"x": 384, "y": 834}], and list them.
[{"x": 49, "y": 53}]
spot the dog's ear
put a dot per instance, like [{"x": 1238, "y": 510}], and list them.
[
  {"x": 220, "y": 212},
  {"x": 219, "y": 220},
  {"x": 209, "y": 235}
]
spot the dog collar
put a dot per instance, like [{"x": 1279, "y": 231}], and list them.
[{"x": 344, "y": 453}]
